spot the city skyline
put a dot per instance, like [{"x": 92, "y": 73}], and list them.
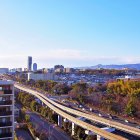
[{"x": 72, "y": 33}]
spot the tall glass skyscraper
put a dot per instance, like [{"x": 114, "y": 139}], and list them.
[{"x": 29, "y": 66}]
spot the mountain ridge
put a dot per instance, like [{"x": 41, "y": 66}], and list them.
[{"x": 113, "y": 66}]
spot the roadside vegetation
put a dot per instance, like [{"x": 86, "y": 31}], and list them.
[
  {"x": 116, "y": 97},
  {"x": 29, "y": 102}
]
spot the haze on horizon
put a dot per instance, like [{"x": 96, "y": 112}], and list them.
[{"x": 73, "y": 32}]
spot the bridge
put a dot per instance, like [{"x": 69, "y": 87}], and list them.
[{"x": 64, "y": 112}]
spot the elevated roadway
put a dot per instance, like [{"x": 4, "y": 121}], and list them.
[{"x": 58, "y": 109}]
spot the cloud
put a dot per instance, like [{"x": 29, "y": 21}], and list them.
[
  {"x": 71, "y": 57},
  {"x": 67, "y": 57}
]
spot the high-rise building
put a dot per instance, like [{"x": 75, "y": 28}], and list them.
[
  {"x": 34, "y": 67},
  {"x": 6, "y": 110},
  {"x": 29, "y": 63}
]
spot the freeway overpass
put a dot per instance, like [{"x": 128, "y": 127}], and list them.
[{"x": 61, "y": 110}]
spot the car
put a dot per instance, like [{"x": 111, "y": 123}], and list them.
[
  {"x": 83, "y": 109},
  {"x": 126, "y": 121},
  {"x": 63, "y": 101},
  {"x": 80, "y": 106},
  {"x": 90, "y": 109},
  {"x": 110, "y": 116},
  {"x": 100, "y": 115}
]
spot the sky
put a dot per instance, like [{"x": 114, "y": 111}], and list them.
[{"x": 69, "y": 32}]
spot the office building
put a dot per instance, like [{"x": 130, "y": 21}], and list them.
[
  {"x": 6, "y": 110},
  {"x": 34, "y": 67},
  {"x": 29, "y": 66}
]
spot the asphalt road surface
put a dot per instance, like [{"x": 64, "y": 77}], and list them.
[
  {"x": 42, "y": 125},
  {"x": 23, "y": 134}
]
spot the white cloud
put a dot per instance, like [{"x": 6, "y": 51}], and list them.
[{"x": 67, "y": 57}]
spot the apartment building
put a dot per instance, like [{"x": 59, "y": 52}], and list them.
[{"x": 6, "y": 110}]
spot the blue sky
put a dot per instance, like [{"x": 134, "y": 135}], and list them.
[{"x": 69, "y": 32}]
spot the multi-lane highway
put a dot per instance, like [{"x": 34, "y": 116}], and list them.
[
  {"x": 92, "y": 117},
  {"x": 56, "y": 107}
]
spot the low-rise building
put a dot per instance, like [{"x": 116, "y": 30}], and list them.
[
  {"x": 59, "y": 70},
  {"x": 41, "y": 76},
  {"x": 69, "y": 70}
]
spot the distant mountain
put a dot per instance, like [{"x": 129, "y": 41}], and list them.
[{"x": 129, "y": 66}]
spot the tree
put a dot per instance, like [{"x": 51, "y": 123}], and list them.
[
  {"x": 55, "y": 118},
  {"x": 90, "y": 90},
  {"x": 33, "y": 105},
  {"x": 81, "y": 133},
  {"x": 27, "y": 99},
  {"x": 90, "y": 137},
  {"x": 27, "y": 118},
  {"x": 79, "y": 88},
  {"x": 43, "y": 111},
  {"x": 81, "y": 98},
  {"x": 43, "y": 136},
  {"x": 61, "y": 89},
  {"x": 130, "y": 108}
]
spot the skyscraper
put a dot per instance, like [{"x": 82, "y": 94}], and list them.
[
  {"x": 6, "y": 110},
  {"x": 34, "y": 67},
  {"x": 29, "y": 63}
]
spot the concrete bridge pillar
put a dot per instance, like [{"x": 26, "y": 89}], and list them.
[
  {"x": 42, "y": 104},
  {"x": 73, "y": 128},
  {"x": 80, "y": 118},
  {"x": 108, "y": 129},
  {"x": 59, "y": 121}
]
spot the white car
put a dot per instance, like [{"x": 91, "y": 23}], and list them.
[
  {"x": 83, "y": 109},
  {"x": 100, "y": 115},
  {"x": 126, "y": 121}
]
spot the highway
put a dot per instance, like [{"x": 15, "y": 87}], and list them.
[
  {"x": 59, "y": 111},
  {"x": 111, "y": 123}
]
